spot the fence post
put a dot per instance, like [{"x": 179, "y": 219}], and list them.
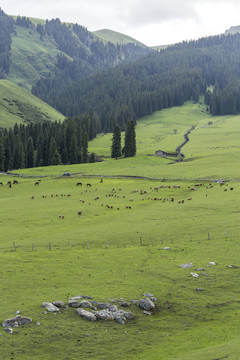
[
  {"x": 208, "y": 236},
  {"x": 140, "y": 240},
  {"x": 50, "y": 247},
  {"x": 14, "y": 246}
]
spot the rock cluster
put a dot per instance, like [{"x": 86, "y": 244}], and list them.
[{"x": 95, "y": 310}]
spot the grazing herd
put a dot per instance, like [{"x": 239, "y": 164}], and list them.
[{"x": 120, "y": 200}]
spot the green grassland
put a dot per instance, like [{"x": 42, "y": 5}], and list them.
[
  {"x": 116, "y": 37},
  {"x": 19, "y": 106},
  {"x": 119, "y": 252},
  {"x": 32, "y": 58}
]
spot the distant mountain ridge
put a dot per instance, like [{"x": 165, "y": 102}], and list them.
[{"x": 233, "y": 30}]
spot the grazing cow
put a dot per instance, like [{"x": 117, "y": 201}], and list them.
[
  {"x": 68, "y": 195},
  {"x": 231, "y": 188},
  {"x": 15, "y": 182},
  {"x": 225, "y": 189},
  {"x": 32, "y": 197},
  {"x": 176, "y": 186},
  {"x": 9, "y": 183},
  {"x": 131, "y": 199},
  {"x": 171, "y": 199},
  {"x": 1, "y": 183},
  {"x": 96, "y": 198},
  {"x": 79, "y": 184},
  {"x": 36, "y": 183},
  {"x": 89, "y": 185},
  {"x": 79, "y": 212},
  {"x": 190, "y": 198},
  {"x": 101, "y": 180}
]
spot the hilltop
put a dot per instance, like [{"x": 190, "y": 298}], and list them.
[{"x": 116, "y": 37}]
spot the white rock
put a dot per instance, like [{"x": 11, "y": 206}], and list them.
[
  {"x": 212, "y": 263},
  {"x": 50, "y": 307},
  {"x": 194, "y": 274},
  {"x": 185, "y": 266}
]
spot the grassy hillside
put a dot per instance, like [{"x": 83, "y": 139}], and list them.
[
  {"x": 32, "y": 58},
  {"x": 116, "y": 37},
  {"x": 18, "y": 105},
  {"x": 112, "y": 253}
]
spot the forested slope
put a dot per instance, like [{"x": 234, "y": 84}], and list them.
[{"x": 161, "y": 80}]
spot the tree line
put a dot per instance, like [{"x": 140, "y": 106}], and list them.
[
  {"x": 6, "y": 30},
  {"x": 48, "y": 143}
]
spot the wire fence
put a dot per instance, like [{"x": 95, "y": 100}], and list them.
[{"x": 171, "y": 242}]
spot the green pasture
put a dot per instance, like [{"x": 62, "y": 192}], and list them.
[
  {"x": 111, "y": 251},
  {"x": 31, "y": 57},
  {"x": 18, "y": 105},
  {"x": 115, "y": 37}
]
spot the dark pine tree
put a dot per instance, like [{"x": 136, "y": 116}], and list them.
[
  {"x": 30, "y": 153},
  {"x": 130, "y": 140},
  {"x": 2, "y": 156},
  {"x": 116, "y": 150},
  {"x": 85, "y": 148}
]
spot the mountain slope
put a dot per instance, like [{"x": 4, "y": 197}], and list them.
[
  {"x": 116, "y": 37},
  {"x": 19, "y": 106}
]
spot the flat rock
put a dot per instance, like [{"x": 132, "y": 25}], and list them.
[
  {"x": 16, "y": 321},
  {"x": 147, "y": 294},
  {"x": 73, "y": 303},
  {"x": 194, "y": 274},
  {"x": 185, "y": 266},
  {"x": 103, "y": 305},
  {"x": 58, "y": 303},
  {"x": 9, "y": 330},
  {"x": 120, "y": 320},
  {"x": 200, "y": 269},
  {"x": 154, "y": 299},
  {"x": 86, "y": 314},
  {"x": 212, "y": 263},
  {"x": 87, "y": 297},
  {"x": 78, "y": 297},
  {"x": 147, "y": 312},
  {"x": 146, "y": 304},
  {"x": 167, "y": 248},
  {"x": 50, "y": 307},
  {"x": 85, "y": 303},
  {"x": 124, "y": 304}
]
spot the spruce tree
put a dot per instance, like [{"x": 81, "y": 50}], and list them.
[
  {"x": 116, "y": 143},
  {"x": 2, "y": 157},
  {"x": 130, "y": 140},
  {"x": 85, "y": 148},
  {"x": 54, "y": 157},
  {"x": 30, "y": 153}
]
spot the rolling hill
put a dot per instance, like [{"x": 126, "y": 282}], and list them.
[
  {"x": 116, "y": 37},
  {"x": 19, "y": 106}
]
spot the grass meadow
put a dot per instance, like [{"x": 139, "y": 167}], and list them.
[{"x": 119, "y": 252}]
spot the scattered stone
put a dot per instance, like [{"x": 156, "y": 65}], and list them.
[
  {"x": 88, "y": 335},
  {"x": 129, "y": 315},
  {"x": 113, "y": 300},
  {"x": 147, "y": 312},
  {"x": 9, "y": 330},
  {"x": 124, "y": 304},
  {"x": 185, "y": 266},
  {"x": 17, "y": 312},
  {"x": 73, "y": 303},
  {"x": 78, "y": 297},
  {"x": 87, "y": 297},
  {"x": 194, "y": 274},
  {"x": 94, "y": 303},
  {"x": 85, "y": 303},
  {"x": 120, "y": 320},
  {"x": 45, "y": 312},
  {"x": 167, "y": 248},
  {"x": 50, "y": 307},
  {"x": 37, "y": 323},
  {"x": 86, "y": 314},
  {"x": 212, "y": 263},
  {"x": 103, "y": 305},
  {"x": 199, "y": 289},
  {"x": 154, "y": 299},
  {"x": 200, "y": 269},
  {"x": 22, "y": 320},
  {"x": 113, "y": 308},
  {"x": 146, "y": 304},
  {"x": 147, "y": 294},
  {"x": 58, "y": 303}
]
